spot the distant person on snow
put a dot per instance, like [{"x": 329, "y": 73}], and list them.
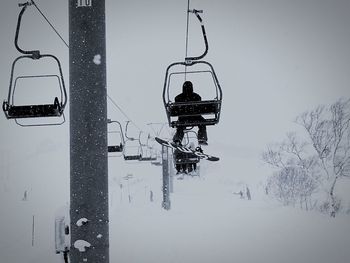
[
  {"x": 188, "y": 95},
  {"x": 248, "y": 194}
]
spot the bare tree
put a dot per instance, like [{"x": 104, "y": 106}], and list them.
[
  {"x": 292, "y": 184},
  {"x": 304, "y": 166},
  {"x": 329, "y": 131},
  {"x": 295, "y": 179}
]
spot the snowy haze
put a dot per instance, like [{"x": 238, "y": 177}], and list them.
[{"x": 274, "y": 60}]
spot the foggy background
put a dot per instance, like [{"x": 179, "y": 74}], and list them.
[{"x": 274, "y": 60}]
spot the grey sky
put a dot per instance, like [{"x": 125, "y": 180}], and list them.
[{"x": 274, "y": 59}]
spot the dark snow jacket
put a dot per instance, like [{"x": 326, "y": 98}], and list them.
[{"x": 187, "y": 93}]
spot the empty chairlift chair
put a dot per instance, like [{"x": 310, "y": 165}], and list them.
[
  {"x": 127, "y": 153},
  {"x": 13, "y": 111},
  {"x": 116, "y": 148},
  {"x": 147, "y": 152}
]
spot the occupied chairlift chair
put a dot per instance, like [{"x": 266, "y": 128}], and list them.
[
  {"x": 209, "y": 108},
  {"x": 13, "y": 111},
  {"x": 130, "y": 157},
  {"x": 116, "y": 148},
  {"x": 186, "y": 158}
]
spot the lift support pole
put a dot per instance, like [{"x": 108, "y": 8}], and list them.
[
  {"x": 88, "y": 132},
  {"x": 166, "y": 178}
]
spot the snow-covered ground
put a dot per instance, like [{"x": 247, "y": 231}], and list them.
[{"x": 207, "y": 222}]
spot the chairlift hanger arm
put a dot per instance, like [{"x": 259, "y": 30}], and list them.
[
  {"x": 35, "y": 53},
  {"x": 141, "y": 144},
  {"x": 196, "y": 12},
  {"x": 126, "y": 132},
  {"x": 120, "y": 127}
]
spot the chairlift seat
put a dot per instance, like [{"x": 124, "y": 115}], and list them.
[
  {"x": 148, "y": 158},
  {"x": 33, "y": 111},
  {"x": 115, "y": 148},
  {"x": 132, "y": 157}
]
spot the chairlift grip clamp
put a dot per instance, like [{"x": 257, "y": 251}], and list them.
[
  {"x": 5, "y": 106},
  {"x": 35, "y": 54},
  {"x": 189, "y": 61},
  {"x": 25, "y": 4},
  {"x": 195, "y": 11}
]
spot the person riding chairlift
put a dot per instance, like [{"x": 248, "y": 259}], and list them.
[
  {"x": 188, "y": 95},
  {"x": 185, "y": 167}
]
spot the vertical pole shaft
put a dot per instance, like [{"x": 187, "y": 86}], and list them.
[
  {"x": 166, "y": 193},
  {"x": 187, "y": 25},
  {"x": 88, "y": 132},
  {"x": 171, "y": 173},
  {"x": 33, "y": 231}
]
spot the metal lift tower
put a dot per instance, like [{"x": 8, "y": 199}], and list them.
[{"x": 88, "y": 132}]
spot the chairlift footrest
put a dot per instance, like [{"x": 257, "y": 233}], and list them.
[{"x": 148, "y": 159}]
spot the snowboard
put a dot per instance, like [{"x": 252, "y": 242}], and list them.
[{"x": 184, "y": 149}]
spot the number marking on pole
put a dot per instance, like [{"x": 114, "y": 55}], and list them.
[{"x": 84, "y": 3}]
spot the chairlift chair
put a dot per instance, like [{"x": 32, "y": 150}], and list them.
[
  {"x": 116, "y": 148},
  {"x": 146, "y": 150},
  {"x": 188, "y": 159},
  {"x": 130, "y": 157},
  {"x": 206, "y": 108},
  {"x": 181, "y": 158},
  {"x": 13, "y": 111}
]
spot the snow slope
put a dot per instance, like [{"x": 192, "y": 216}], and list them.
[{"x": 206, "y": 222}]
